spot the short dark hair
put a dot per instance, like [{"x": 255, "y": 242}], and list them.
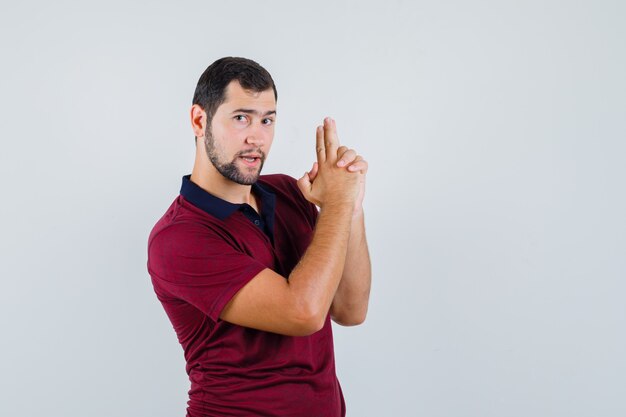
[{"x": 211, "y": 89}]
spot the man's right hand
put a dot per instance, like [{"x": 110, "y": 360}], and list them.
[{"x": 331, "y": 185}]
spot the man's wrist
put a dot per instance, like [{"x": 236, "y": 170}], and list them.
[
  {"x": 338, "y": 205},
  {"x": 357, "y": 214}
]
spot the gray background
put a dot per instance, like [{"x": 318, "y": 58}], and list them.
[{"x": 495, "y": 132}]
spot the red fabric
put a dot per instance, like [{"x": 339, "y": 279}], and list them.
[{"x": 197, "y": 263}]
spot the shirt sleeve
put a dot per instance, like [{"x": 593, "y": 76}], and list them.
[{"x": 190, "y": 262}]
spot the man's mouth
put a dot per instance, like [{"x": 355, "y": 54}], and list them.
[{"x": 251, "y": 160}]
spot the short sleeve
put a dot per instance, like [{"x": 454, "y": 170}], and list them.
[{"x": 192, "y": 263}]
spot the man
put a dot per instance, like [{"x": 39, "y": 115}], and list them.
[{"x": 247, "y": 269}]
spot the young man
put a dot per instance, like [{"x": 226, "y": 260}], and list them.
[{"x": 247, "y": 269}]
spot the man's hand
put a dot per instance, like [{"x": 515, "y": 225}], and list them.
[
  {"x": 331, "y": 180},
  {"x": 348, "y": 159}
]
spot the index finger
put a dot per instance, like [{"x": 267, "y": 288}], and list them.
[
  {"x": 320, "y": 148},
  {"x": 331, "y": 141}
]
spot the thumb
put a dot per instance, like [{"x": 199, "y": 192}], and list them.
[
  {"x": 304, "y": 184},
  {"x": 313, "y": 172}
]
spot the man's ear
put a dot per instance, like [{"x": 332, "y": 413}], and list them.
[{"x": 198, "y": 120}]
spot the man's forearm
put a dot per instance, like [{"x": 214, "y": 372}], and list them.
[
  {"x": 315, "y": 279},
  {"x": 349, "y": 306}
]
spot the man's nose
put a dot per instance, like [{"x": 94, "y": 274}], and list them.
[{"x": 256, "y": 135}]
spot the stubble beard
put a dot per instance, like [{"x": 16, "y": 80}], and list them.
[{"x": 229, "y": 169}]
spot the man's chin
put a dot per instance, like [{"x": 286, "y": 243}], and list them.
[
  {"x": 248, "y": 175},
  {"x": 246, "y": 179},
  {"x": 240, "y": 175}
]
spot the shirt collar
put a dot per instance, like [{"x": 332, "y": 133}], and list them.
[{"x": 219, "y": 208}]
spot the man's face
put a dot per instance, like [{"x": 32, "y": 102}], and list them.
[{"x": 241, "y": 133}]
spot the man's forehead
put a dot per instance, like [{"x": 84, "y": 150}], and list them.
[{"x": 236, "y": 95}]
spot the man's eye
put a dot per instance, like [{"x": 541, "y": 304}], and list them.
[
  {"x": 240, "y": 118},
  {"x": 268, "y": 121}
]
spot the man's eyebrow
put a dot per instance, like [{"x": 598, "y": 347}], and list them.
[{"x": 255, "y": 112}]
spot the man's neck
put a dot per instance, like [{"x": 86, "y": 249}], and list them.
[
  {"x": 221, "y": 187},
  {"x": 211, "y": 181}
]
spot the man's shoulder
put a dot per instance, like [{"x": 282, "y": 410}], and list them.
[
  {"x": 278, "y": 181},
  {"x": 182, "y": 218},
  {"x": 283, "y": 186},
  {"x": 289, "y": 198}
]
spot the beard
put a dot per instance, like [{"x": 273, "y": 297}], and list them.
[{"x": 230, "y": 169}]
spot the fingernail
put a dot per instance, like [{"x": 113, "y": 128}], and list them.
[{"x": 341, "y": 163}]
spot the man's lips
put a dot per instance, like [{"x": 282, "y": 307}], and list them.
[{"x": 251, "y": 160}]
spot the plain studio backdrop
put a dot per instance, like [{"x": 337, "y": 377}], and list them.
[{"x": 495, "y": 205}]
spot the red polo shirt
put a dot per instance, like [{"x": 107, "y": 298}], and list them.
[{"x": 200, "y": 253}]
